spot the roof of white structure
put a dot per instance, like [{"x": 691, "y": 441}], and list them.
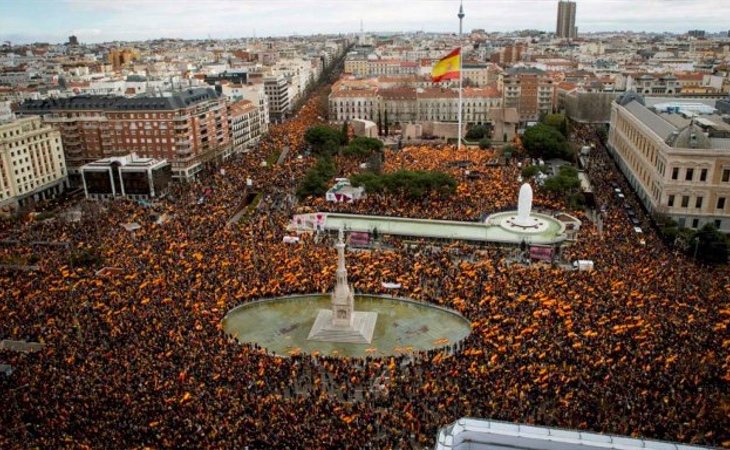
[{"x": 479, "y": 434}]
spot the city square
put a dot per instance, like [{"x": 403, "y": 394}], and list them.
[{"x": 219, "y": 298}]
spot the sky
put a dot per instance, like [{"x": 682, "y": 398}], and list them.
[{"x": 24, "y": 21}]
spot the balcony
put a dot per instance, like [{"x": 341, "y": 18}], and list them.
[{"x": 184, "y": 152}]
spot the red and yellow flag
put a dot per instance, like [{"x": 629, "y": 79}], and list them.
[{"x": 447, "y": 68}]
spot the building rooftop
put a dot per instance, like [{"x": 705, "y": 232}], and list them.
[
  {"x": 179, "y": 100},
  {"x": 683, "y": 124}
]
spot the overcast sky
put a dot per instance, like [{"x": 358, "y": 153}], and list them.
[{"x": 23, "y": 21}]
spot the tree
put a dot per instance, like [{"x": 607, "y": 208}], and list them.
[
  {"x": 485, "y": 143},
  {"x": 530, "y": 171},
  {"x": 386, "y": 123},
  {"x": 708, "y": 245},
  {"x": 558, "y": 122},
  {"x": 476, "y": 133},
  {"x": 543, "y": 141},
  {"x": 316, "y": 181},
  {"x": 344, "y": 138},
  {"x": 363, "y": 146},
  {"x": 414, "y": 184},
  {"x": 324, "y": 140},
  {"x": 567, "y": 184},
  {"x": 380, "y": 124}
]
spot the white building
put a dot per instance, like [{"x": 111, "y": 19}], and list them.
[
  {"x": 32, "y": 165},
  {"x": 276, "y": 89},
  {"x": 246, "y": 124},
  {"x": 254, "y": 93}
]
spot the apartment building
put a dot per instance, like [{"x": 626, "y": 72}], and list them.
[
  {"x": 188, "y": 129},
  {"x": 652, "y": 84},
  {"x": 676, "y": 155},
  {"x": 362, "y": 67},
  {"x": 254, "y": 93},
  {"x": 528, "y": 90},
  {"x": 277, "y": 91},
  {"x": 247, "y": 125},
  {"x": 32, "y": 165}
]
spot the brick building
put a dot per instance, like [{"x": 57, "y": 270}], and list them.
[
  {"x": 189, "y": 128},
  {"x": 528, "y": 90}
]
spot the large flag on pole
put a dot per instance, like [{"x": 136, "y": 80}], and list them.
[{"x": 448, "y": 67}]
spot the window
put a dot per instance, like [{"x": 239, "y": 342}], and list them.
[
  {"x": 698, "y": 202},
  {"x": 685, "y": 201},
  {"x": 725, "y": 175},
  {"x": 721, "y": 203},
  {"x": 689, "y": 174},
  {"x": 695, "y": 223},
  {"x": 670, "y": 201},
  {"x": 675, "y": 173},
  {"x": 703, "y": 175}
]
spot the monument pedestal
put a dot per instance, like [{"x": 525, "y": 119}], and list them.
[{"x": 360, "y": 332}]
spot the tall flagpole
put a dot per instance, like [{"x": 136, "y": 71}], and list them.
[{"x": 461, "y": 58}]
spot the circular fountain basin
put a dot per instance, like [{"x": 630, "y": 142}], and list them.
[
  {"x": 537, "y": 224},
  {"x": 281, "y": 326}
]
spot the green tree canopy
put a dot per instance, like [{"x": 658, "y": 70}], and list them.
[
  {"x": 363, "y": 146},
  {"x": 543, "y": 141},
  {"x": 485, "y": 143},
  {"x": 317, "y": 179},
  {"x": 477, "y": 132},
  {"x": 413, "y": 184},
  {"x": 709, "y": 245},
  {"x": 324, "y": 140},
  {"x": 558, "y": 122}
]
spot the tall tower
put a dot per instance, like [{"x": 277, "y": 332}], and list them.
[
  {"x": 460, "y": 16},
  {"x": 566, "y": 20}
]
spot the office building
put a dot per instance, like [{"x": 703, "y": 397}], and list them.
[
  {"x": 697, "y": 33},
  {"x": 676, "y": 155},
  {"x": 189, "y": 129},
  {"x": 126, "y": 176},
  {"x": 566, "y": 20},
  {"x": 276, "y": 89},
  {"x": 32, "y": 166}
]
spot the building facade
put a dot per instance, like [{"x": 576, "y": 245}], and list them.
[
  {"x": 32, "y": 165},
  {"x": 677, "y": 158},
  {"x": 566, "y": 20},
  {"x": 247, "y": 125},
  {"x": 404, "y": 105},
  {"x": 277, "y": 92},
  {"x": 528, "y": 90},
  {"x": 188, "y": 129},
  {"x": 126, "y": 176}
]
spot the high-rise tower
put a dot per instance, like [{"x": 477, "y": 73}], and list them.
[
  {"x": 460, "y": 16},
  {"x": 566, "y": 20}
]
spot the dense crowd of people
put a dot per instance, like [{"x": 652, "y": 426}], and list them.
[{"x": 135, "y": 356}]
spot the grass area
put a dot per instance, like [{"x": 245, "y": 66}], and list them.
[{"x": 273, "y": 158}]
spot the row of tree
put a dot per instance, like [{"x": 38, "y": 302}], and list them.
[
  {"x": 707, "y": 245},
  {"x": 413, "y": 184}
]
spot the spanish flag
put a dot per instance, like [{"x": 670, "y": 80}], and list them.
[{"x": 448, "y": 67}]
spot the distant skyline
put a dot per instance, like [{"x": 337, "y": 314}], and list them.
[{"x": 25, "y": 21}]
